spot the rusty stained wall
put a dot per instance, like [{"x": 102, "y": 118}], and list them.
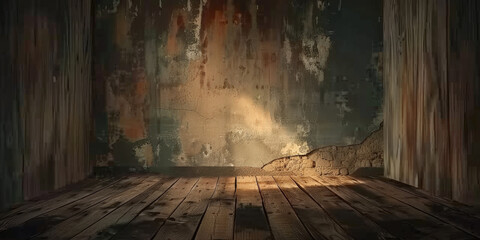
[
  {"x": 233, "y": 83},
  {"x": 45, "y": 99},
  {"x": 432, "y": 96}
]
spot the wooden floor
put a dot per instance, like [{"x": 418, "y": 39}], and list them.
[{"x": 262, "y": 207}]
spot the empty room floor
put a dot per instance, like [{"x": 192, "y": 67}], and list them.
[{"x": 147, "y": 206}]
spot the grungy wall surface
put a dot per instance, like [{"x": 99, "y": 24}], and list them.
[
  {"x": 432, "y": 95},
  {"x": 233, "y": 82},
  {"x": 363, "y": 158},
  {"x": 45, "y": 96}
]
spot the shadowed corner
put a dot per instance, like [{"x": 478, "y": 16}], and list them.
[
  {"x": 368, "y": 172},
  {"x": 30, "y": 228}
]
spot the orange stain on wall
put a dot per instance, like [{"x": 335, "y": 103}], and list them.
[
  {"x": 131, "y": 115},
  {"x": 177, "y": 25}
]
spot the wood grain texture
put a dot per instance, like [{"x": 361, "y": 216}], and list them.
[
  {"x": 393, "y": 213},
  {"x": 432, "y": 96},
  {"x": 315, "y": 219},
  {"x": 282, "y": 218},
  {"x": 147, "y": 223},
  {"x": 396, "y": 225},
  {"x": 44, "y": 222},
  {"x": 449, "y": 215},
  {"x": 55, "y": 196},
  {"x": 76, "y": 224},
  {"x": 45, "y": 96},
  {"x": 218, "y": 221},
  {"x": 59, "y": 207},
  {"x": 468, "y": 209},
  {"x": 185, "y": 220},
  {"x": 149, "y": 207},
  {"x": 11, "y": 133},
  {"x": 350, "y": 219},
  {"x": 108, "y": 226},
  {"x": 250, "y": 219}
]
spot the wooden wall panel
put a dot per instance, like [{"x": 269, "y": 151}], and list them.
[
  {"x": 432, "y": 95},
  {"x": 45, "y": 96},
  {"x": 11, "y": 158}
]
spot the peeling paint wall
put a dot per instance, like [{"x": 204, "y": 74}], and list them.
[
  {"x": 432, "y": 95},
  {"x": 45, "y": 100},
  {"x": 233, "y": 83}
]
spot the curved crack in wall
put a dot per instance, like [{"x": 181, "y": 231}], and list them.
[
  {"x": 334, "y": 160},
  {"x": 233, "y": 82}
]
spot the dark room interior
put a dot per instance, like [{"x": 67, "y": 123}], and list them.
[{"x": 240, "y": 119}]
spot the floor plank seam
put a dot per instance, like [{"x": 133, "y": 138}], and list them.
[
  {"x": 264, "y": 210},
  {"x": 235, "y": 208},
  {"x": 166, "y": 219},
  {"x": 167, "y": 192},
  {"x": 250, "y": 207},
  {"x": 46, "y": 200},
  {"x": 155, "y": 187},
  {"x": 56, "y": 193},
  {"x": 427, "y": 213},
  {"x": 434, "y": 227},
  {"x": 353, "y": 207},
  {"x": 296, "y": 214},
  {"x": 36, "y": 236},
  {"x": 61, "y": 206},
  {"x": 425, "y": 195},
  {"x": 203, "y": 215},
  {"x": 324, "y": 210},
  {"x": 106, "y": 214},
  {"x": 234, "y": 212}
]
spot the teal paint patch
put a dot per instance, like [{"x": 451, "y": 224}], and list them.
[
  {"x": 245, "y": 81},
  {"x": 163, "y": 135}
]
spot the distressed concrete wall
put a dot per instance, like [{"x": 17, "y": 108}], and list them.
[
  {"x": 45, "y": 96},
  {"x": 432, "y": 95},
  {"x": 336, "y": 160},
  {"x": 227, "y": 82}
]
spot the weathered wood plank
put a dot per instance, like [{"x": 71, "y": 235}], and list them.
[
  {"x": 399, "y": 227},
  {"x": 400, "y": 219},
  {"x": 184, "y": 221},
  {"x": 315, "y": 219},
  {"x": 449, "y": 215},
  {"x": 42, "y": 223},
  {"x": 218, "y": 221},
  {"x": 46, "y": 125},
  {"x": 20, "y": 217},
  {"x": 250, "y": 219},
  {"x": 467, "y": 209},
  {"x": 352, "y": 221},
  {"x": 147, "y": 223},
  {"x": 282, "y": 218},
  {"x": 50, "y": 197},
  {"x": 432, "y": 111},
  {"x": 116, "y": 220},
  {"x": 74, "y": 225}
]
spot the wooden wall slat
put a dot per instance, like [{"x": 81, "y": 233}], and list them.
[
  {"x": 46, "y": 96},
  {"x": 10, "y": 132},
  {"x": 432, "y": 106}
]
